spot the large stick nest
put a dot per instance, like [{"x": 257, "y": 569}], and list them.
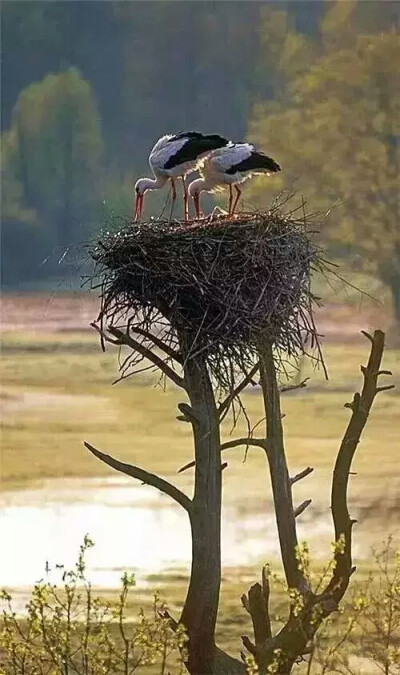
[{"x": 216, "y": 286}]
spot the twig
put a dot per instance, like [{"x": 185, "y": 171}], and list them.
[
  {"x": 168, "y": 351},
  {"x": 256, "y": 442},
  {"x": 302, "y": 507},
  {"x": 301, "y": 475},
  {"x": 144, "y": 476},
  {"x": 235, "y": 393},
  {"x": 292, "y": 387}
]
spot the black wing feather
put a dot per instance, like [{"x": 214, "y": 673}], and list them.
[
  {"x": 197, "y": 144},
  {"x": 257, "y": 160}
]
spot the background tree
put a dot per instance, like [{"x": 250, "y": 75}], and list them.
[
  {"x": 340, "y": 118},
  {"x": 52, "y": 153}
]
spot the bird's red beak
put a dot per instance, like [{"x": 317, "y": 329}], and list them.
[
  {"x": 196, "y": 199},
  {"x": 138, "y": 206}
]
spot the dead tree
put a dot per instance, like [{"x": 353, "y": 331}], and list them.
[
  {"x": 212, "y": 306},
  {"x": 294, "y": 640}
]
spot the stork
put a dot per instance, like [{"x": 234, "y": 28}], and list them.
[
  {"x": 175, "y": 156},
  {"x": 231, "y": 165}
]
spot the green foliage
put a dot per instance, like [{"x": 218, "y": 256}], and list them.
[
  {"x": 367, "y": 626},
  {"x": 50, "y": 165},
  {"x": 334, "y": 129},
  {"x": 69, "y": 630},
  {"x": 363, "y": 634}
]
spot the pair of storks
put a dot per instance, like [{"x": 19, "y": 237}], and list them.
[{"x": 220, "y": 162}]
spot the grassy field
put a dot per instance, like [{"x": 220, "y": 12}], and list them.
[{"x": 57, "y": 391}]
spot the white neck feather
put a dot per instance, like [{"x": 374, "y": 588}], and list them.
[
  {"x": 198, "y": 185},
  {"x": 151, "y": 183}
]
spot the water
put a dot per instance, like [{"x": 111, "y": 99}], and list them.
[
  {"x": 134, "y": 528},
  {"x": 137, "y": 529}
]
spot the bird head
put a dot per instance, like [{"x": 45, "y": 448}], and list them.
[
  {"x": 194, "y": 191},
  {"x": 141, "y": 186}
]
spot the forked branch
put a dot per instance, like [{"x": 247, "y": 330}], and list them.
[{"x": 144, "y": 476}]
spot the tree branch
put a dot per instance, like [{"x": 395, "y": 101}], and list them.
[
  {"x": 292, "y": 387},
  {"x": 302, "y": 507},
  {"x": 144, "y": 476},
  {"x": 168, "y": 351},
  {"x": 301, "y": 475},
  {"x": 125, "y": 339},
  {"x": 224, "y": 406},
  {"x": 256, "y": 442},
  {"x": 360, "y": 407}
]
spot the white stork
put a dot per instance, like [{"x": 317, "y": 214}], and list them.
[
  {"x": 175, "y": 156},
  {"x": 230, "y": 165}
]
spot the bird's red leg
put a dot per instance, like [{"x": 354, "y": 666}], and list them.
[
  {"x": 230, "y": 200},
  {"x": 173, "y": 197},
  {"x": 185, "y": 200},
  {"x": 196, "y": 199},
  {"x": 238, "y": 193}
]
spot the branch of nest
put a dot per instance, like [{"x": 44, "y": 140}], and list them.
[
  {"x": 123, "y": 338},
  {"x": 225, "y": 405}
]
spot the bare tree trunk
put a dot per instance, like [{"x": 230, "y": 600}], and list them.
[
  {"x": 200, "y": 610},
  {"x": 281, "y": 485}
]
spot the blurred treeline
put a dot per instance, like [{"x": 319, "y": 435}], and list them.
[{"x": 87, "y": 87}]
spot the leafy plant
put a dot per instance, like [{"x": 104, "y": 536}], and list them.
[{"x": 69, "y": 630}]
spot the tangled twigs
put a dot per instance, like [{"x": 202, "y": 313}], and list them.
[{"x": 222, "y": 283}]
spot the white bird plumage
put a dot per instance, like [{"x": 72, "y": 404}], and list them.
[
  {"x": 175, "y": 156},
  {"x": 230, "y": 165}
]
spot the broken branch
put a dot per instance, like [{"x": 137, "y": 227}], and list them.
[
  {"x": 301, "y": 475},
  {"x": 302, "y": 507}
]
